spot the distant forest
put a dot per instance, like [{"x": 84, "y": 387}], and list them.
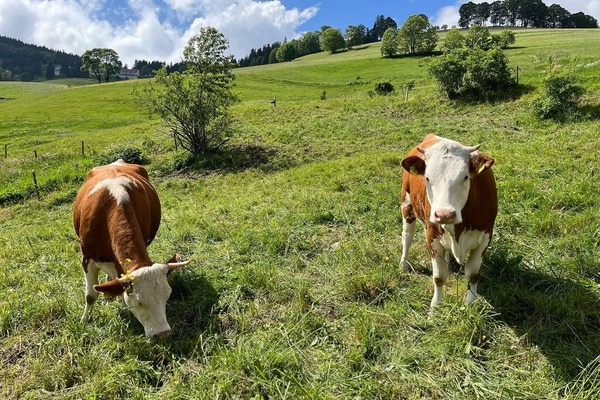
[{"x": 27, "y": 62}]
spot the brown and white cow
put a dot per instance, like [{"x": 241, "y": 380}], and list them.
[
  {"x": 451, "y": 189},
  {"x": 116, "y": 215}
]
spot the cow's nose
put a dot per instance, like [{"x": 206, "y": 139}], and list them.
[
  {"x": 163, "y": 334},
  {"x": 445, "y": 216}
]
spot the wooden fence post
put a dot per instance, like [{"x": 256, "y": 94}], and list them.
[
  {"x": 5, "y": 151},
  {"x": 35, "y": 184},
  {"x": 35, "y": 154},
  {"x": 82, "y": 148}
]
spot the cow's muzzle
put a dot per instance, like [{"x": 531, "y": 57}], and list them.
[{"x": 445, "y": 216}]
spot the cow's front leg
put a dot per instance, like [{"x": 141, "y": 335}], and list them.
[
  {"x": 408, "y": 231},
  {"x": 472, "y": 267},
  {"x": 440, "y": 272}
]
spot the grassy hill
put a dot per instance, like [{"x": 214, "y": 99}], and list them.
[{"x": 296, "y": 289}]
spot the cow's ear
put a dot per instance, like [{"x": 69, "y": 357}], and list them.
[
  {"x": 414, "y": 164},
  {"x": 110, "y": 289},
  {"x": 480, "y": 162}
]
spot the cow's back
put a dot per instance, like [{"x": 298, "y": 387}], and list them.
[{"x": 117, "y": 207}]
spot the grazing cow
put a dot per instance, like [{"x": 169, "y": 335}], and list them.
[
  {"x": 116, "y": 215},
  {"x": 451, "y": 189}
]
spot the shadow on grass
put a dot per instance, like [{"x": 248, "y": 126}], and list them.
[
  {"x": 191, "y": 305},
  {"x": 560, "y": 316},
  {"x": 510, "y": 93},
  {"x": 230, "y": 158}
]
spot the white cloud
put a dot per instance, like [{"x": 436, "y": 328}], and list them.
[
  {"x": 446, "y": 16},
  {"x": 148, "y": 32}
]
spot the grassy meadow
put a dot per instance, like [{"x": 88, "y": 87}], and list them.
[{"x": 296, "y": 289}]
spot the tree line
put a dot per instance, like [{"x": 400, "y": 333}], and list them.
[
  {"x": 525, "y": 13},
  {"x": 27, "y": 62},
  {"x": 327, "y": 39}
]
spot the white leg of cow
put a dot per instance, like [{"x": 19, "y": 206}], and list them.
[
  {"x": 472, "y": 267},
  {"x": 408, "y": 233},
  {"x": 91, "y": 279},
  {"x": 440, "y": 273}
]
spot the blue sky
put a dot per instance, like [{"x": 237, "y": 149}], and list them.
[{"x": 159, "y": 29}]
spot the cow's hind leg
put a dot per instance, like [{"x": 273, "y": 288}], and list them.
[
  {"x": 472, "y": 267},
  {"x": 408, "y": 233},
  {"x": 90, "y": 271}
]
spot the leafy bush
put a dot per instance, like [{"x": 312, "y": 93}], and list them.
[
  {"x": 467, "y": 72},
  {"x": 384, "y": 87},
  {"x": 559, "y": 97},
  {"x": 487, "y": 71},
  {"x": 504, "y": 39},
  {"x": 131, "y": 155},
  {"x": 449, "y": 71},
  {"x": 479, "y": 37},
  {"x": 453, "y": 40}
]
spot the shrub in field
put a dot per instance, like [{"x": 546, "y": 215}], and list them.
[
  {"x": 479, "y": 37},
  {"x": 504, "y": 39},
  {"x": 194, "y": 105},
  {"x": 131, "y": 155},
  {"x": 384, "y": 87},
  {"x": 471, "y": 72},
  {"x": 449, "y": 71},
  {"x": 559, "y": 97},
  {"x": 453, "y": 40}
]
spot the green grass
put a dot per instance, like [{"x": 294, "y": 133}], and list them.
[{"x": 296, "y": 289}]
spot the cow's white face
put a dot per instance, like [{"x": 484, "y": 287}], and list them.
[
  {"x": 147, "y": 297},
  {"x": 448, "y": 180}
]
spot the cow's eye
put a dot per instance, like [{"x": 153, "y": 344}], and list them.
[
  {"x": 466, "y": 177},
  {"x": 427, "y": 179}
]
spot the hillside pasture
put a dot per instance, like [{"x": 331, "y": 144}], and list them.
[{"x": 296, "y": 289}]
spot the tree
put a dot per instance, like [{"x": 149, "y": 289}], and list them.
[
  {"x": 287, "y": 52},
  {"x": 308, "y": 43},
  {"x": 558, "y": 17},
  {"x": 467, "y": 14},
  {"x": 381, "y": 25},
  {"x": 353, "y": 36},
  {"x": 479, "y": 37},
  {"x": 102, "y": 63},
  {"x": 332, "y": 40},
  {"x": 504, "y": 39},
  {"x": 194, "y": 104},
  {"x": 417, "y": 35},
  {"x": 498, "y": 13},
  {"x": 453, "y": 40},
  {"x": 50, "y": 71},
  {"x": 482, "y": 13},
  {"x": 389, "y": 43}
]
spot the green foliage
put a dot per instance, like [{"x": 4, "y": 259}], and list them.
[
  {"x": 479, "y": 37},
  {"x": 331, "y": 40},
  {"x": 472, "y": 73},
  {"x": 128, "y": 154},
  {"x": 287, "y": 52},
  {"x": 559, "y": 97},
  {"x": 101, "y": 62},
  {"x": 449, "y": 71},
  {"x": 194, "y": 104},
  {"x": 417, "y": 35},
  {"x": 504, "y": 39},
  {"x": 453, "y": 40},
  {"x": 389, "y": 43},
  {"x": 384, "y": 87},
  {"x": 353, "y": 36}
]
